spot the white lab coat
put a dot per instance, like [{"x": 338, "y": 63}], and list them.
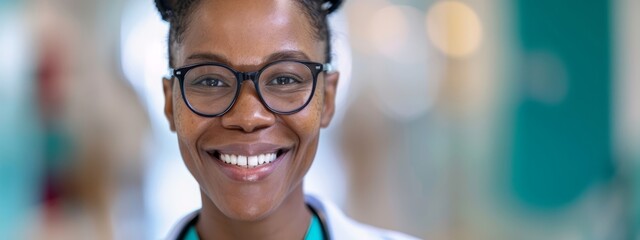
[{"x": 339, "y": 226}]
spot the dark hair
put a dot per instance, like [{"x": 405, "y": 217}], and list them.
[{"x": 176, "y": 13}]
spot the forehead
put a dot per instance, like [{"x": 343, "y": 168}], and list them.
[{"x": 244, "y": 33}]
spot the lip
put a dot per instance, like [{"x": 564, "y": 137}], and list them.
[{"x": 244, "y": 174}]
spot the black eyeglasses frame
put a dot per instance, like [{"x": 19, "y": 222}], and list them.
[{"x": 315, "y": 67}]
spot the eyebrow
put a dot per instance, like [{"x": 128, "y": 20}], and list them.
[
  {"x": 276, "y": 56},
  {"x": 287, "y": 55},
  {"x": 210, "y": 57}
]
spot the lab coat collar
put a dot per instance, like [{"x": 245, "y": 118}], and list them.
[{"x": 337, "y": 225}]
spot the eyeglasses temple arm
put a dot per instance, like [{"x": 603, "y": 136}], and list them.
[
  {"x": 170, "y": 74},
  {"x": 327, "y": 67}
]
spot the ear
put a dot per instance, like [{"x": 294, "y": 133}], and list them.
[
  {"x": 329, "y": 104},
  {"x": 167, "y": 87}
]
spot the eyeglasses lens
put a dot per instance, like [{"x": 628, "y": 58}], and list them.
[{"x": 283, "y": 86}]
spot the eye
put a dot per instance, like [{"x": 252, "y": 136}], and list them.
[
  {"x": 210, "y": 82},
  {"x": 283, "y": 80}
]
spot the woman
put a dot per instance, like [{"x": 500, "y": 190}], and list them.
[{"x": 249, "y": 143}]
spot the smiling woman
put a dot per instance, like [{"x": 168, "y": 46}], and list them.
[{"x": 249, "y": 144}]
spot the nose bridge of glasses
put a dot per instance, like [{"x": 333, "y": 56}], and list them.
[
  {"x": 242, "y": 76},
  {"x": 247, "y": 96}
]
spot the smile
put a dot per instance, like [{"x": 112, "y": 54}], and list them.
[{"x": 248, "y": 161}]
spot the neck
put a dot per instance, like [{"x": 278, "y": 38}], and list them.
[{"x": 289, "y": 221}]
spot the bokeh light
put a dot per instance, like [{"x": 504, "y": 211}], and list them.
[
  {"x": 454, "y": 28},
  {"x": 389, "y": 30}
]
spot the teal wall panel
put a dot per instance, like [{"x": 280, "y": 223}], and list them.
[{"x": 562, "y": 145}]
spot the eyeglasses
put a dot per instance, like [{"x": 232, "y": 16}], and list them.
[{"x": 284, "y": 87}]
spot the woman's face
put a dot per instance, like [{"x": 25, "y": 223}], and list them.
[{"x": 247, "y": 35}]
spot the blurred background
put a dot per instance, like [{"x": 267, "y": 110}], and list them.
[{"x": 457, "y": 119}]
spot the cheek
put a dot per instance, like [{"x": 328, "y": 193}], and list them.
[
  {"x": 189, "y": 129},
  {"x": 307, "y": 122},
  {"x": 188, "y": 125},
  {"x": 306, "y": 125},
  {"x": 184, "y": 123}
]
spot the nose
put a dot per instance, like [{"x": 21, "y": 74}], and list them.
[{"x": 248, "y": 114}]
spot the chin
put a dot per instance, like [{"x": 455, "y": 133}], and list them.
[{"x": 248, "y": 211}]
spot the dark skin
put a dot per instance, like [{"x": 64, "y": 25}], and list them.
[{"x": 246, "y": 35}]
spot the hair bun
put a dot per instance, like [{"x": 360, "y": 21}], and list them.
[
  {"x": 164, "y": 7},
  {"x": 332, "y": 5}
]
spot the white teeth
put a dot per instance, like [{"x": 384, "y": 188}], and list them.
[
  {"x": 248, "y": 161},
  {"x": 253, "y": 161},
  {"x": 242, "y": 161},
  {"x": 225, "y": 158}
]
